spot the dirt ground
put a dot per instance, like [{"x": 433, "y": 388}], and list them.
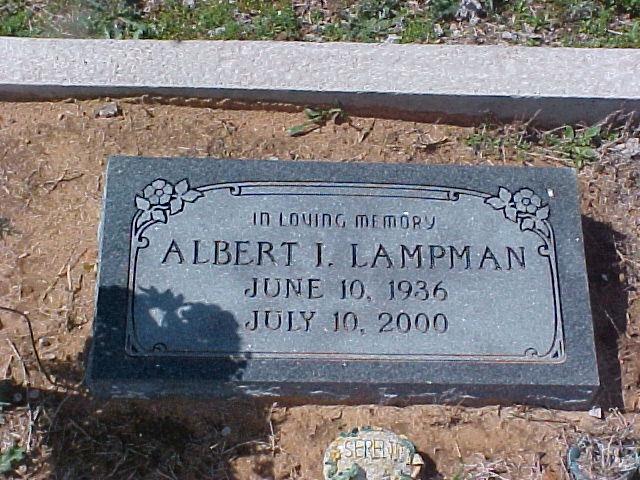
[{"x": 52, "y": 159}]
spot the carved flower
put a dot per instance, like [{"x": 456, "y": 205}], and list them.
[
  {"x": 504, "y": 201},
  {"x": 536, "y": 222},
  {"x": 158, "y": 192},
  {"x": 160, "y": 199},
  {"x": 524, "y": 208},
  {"x": 526, "y": 201},
  {"x": 183, "y": 194}
]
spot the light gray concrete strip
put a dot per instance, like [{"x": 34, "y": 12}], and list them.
[{"x": 563, "y": 85}]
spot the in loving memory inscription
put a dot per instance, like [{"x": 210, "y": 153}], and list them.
[{"x": 303, "y": 279}]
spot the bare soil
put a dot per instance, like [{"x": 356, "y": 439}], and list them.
[{"x": 52, "y": 159}]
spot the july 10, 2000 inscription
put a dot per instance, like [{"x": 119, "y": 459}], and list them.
[{"x": 298, "y": 265}]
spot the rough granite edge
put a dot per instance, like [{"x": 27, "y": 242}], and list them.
[{"x": 457, "y": 82}]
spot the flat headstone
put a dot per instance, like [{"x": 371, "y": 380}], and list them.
[{"x": 342, "y": 282}]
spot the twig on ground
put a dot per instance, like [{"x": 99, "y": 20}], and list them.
[
  {"x": 244, "y": 444},
  {"x": 7, "y": 367},
  {"x": 536, "y": 419},
  {"x": 364, "y": 133},
  {"x": 68, "y": 265},
  {"x": 272, "y": 437},
  {"x": 33, "y": 418},
  {"x": 41, "y": 367},
  {"x": 82, "y": 431},
  {"x": 27, "y": 382},
  {"x": 613, "y": 324},
  {"x": 54, "y": 419},
  {"x": 164, "y": 474},
  {"x": 118, "y": 464},
  {"x": 59, "y": 180},
  {"x": 25, "y": 373}
]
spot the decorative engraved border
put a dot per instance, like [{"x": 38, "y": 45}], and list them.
[{"x": 161, "y": 199}]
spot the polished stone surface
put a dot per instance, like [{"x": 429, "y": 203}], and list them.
[{"x": 351, "y": 282}]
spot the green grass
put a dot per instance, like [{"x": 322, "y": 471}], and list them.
[
  {"x": 317, "y": 118},
  {"x": 375, "y": 20},
  {"x": 220, "y": 20},
  {"x": 14, "y": 20},
  {"x": 576, "y": 146},
  {"x": 126, "y": 19},
  {"x": 175, "y": 20},
  {"x": 367, "y": 21},
  {"x": 497, "y": 141},
  {"x": 116, "y": 19},
  {"x": 581, "y": 23},
  {"x": 10, "y": 457}
]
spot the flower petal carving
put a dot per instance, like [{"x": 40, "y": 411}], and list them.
[
  {"x": 496, "y": 202},
  {"x": 191, "y": 196},
  {"x": 161, "y": 199},
  {"x": 175, "y": 206},
  {"x": 543, "y": 227},
  {"x": 504, "y": 194},
  {"x": 511, "y": 213},
  {"x": 142, "y": 203},
  {"x": 527, "y": 224},
  {"x": 543, "y": 213},
  {"x": 523, "y": 207},
  {"x": 142, "y": 219},
  {"x": 182, "y": 186},
  {"x": 159, "y": 215}
]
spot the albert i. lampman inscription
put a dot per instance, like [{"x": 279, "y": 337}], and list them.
[{"x": 278, "y": 261}]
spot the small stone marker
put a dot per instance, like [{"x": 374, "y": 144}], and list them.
[
  {"x": 374, "y": 283},
  {"x": 372, "y": 454}
]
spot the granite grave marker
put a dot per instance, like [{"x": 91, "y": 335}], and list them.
[{"x": 342, "y": 282}]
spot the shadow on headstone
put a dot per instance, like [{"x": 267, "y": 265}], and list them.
[
  {"x": 168, "y": 341},
  {"x": 609, "y": 303},
  {"x": 203, "y": 326}
]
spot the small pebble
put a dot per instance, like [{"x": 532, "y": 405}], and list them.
[
  {"x": 109, "y": 110},
  {"x": 596, "y": 412},
  {"x": 393, "y": 39}
]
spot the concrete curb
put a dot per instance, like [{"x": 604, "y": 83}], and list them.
[{"x": 561, "y": 85}]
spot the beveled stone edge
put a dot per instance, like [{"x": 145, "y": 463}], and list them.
[{"x": 447, "y": 82}]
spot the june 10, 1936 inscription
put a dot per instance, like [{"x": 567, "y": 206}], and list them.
[{"x": 307, "y": 269}]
